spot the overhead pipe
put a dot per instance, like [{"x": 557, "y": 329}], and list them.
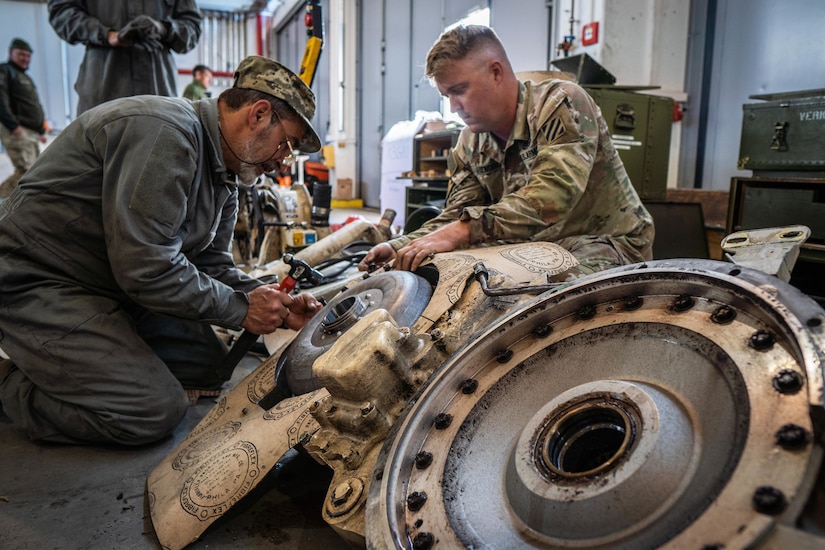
[{"x": 259, "y": 41}]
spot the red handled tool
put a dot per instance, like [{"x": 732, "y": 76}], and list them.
[{"x": 298, "y": 270}]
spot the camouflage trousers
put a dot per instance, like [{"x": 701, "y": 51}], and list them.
[
  {"x": 597, "y": 253},
  {"x": 22, "y": 150}
]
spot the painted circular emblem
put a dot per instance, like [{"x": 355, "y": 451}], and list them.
[
  {"x": 211, "y": 417},
  {"x": 223, "y": 480},
  {"x": 204, "y": 444},
  {"x": 289, "y": 406},
  {"x": 549, "y": 258},
  {"x": 263, "y": 381}
]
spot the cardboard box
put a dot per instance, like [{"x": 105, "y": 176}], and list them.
[
  {"x": 433, "y": 126},
  {"x": 344, "y": 189},
  {"x": 397, "y": 158}
]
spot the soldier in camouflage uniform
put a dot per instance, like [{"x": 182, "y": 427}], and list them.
[
  {"x": 535, "y": 162},
  {"x": 115, "y": 257},
  {"x": 22, "y": 124}
]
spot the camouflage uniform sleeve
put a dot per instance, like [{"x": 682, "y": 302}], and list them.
[
  {"x": 463, "y": 191},
  {"x": 564, "y": 130}
]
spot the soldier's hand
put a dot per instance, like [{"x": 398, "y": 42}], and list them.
[
  {"x": 444, "y": 239},
  {"x": 378, "y": 255}
]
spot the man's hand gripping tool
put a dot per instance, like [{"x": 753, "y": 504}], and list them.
[{"x": 299, "y": 270}]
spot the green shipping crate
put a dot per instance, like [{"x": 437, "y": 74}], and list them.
[
  {"x": 640, "y": 125},
  {"x": 784, "y": 135}
]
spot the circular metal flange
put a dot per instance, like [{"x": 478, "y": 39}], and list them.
[
  {"x": 403, "y": 294},
  {"x": 636, "y": 408}
]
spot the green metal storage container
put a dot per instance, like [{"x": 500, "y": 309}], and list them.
[
  {"x": 640, "y": 125},
  {"x": 784, "y": 134}
]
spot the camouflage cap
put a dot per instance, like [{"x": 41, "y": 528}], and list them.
[
  {"x": 20, "y": 44},
  {"x": 269, "y": 76}
]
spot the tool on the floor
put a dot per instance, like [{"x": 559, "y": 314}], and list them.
[{"x": 299, "y": 270}]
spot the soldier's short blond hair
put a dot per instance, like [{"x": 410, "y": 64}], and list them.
[{"x": 458, "y": 43}]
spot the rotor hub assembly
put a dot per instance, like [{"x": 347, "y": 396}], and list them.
[
  {"x": 403, "y": 294},
  {"x": 667, "y": 403}
]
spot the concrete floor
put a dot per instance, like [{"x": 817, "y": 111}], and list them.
[
  {"x": 92, "y": 497},
  {"x": 84, "y": 497}
]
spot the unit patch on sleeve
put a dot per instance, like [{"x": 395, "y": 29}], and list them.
[{"x": 554, "y": 129}]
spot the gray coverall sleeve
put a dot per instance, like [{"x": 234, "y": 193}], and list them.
[
  {"x": 184, "y": 26},
  {"x": 72, "y": 23},
  {"x": 152, "y": 199},
  {"x": 84, "y": 22},
  {"x": 217, "y": 260}
]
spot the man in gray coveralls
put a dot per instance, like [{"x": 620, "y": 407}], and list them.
[
  {"x": 115, "y": 257},
  {"x": 129, "y": 45}
]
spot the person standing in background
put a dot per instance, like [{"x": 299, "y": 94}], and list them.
[
  {"x": 201, "y": 79},
  {"x": 129, "y": 44},
  {"x": 23, "y": 123}
]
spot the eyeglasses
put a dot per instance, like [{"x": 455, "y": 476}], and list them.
[{"x": 288, "y": 160}]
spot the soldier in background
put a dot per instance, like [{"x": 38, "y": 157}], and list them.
[
  {"x": 534, "y": 163},
  {"x": 22, "y": 124},
  {"x": 198, "y": 88},
  {"x": 129, "y": 45}
]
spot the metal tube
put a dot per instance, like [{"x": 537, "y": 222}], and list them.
[
  {"x": 481, "y": 274},
  {"x": 325, "y": 248}
]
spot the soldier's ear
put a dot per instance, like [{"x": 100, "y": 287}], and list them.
[
  {"x": 260, "y": 113},
  {"x": 496, "y": 70}
]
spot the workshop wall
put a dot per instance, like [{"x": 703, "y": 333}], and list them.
[
  {"x": 288, "y": 38},
  {"x": 394, "y": 45},
  {"x": 757, "y": 46}
]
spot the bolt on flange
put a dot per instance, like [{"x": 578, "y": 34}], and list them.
[
  {"x": 416, "y": 500},
  {"x": 442, "y": 421},
  {"x": 344, "y": 497},
  {"x": 791, "y": 436},
  {"x": 787, "y": 381},
  {"x": 761, "y": 340},
  {"x": 469, "y": 386},
  {"x": 769, "y": 500},
  {"x": 723, "y": 315},
  {"x": 683, "y": 303},
  {"x": 423, "y": 541},
  {"x": 423, "y": 459},
  {"x": 632, "y": 303}
]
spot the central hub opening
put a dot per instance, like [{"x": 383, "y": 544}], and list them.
[
  {"x": 343, "y": 315},
  {"x": 585, "y": 438}
]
